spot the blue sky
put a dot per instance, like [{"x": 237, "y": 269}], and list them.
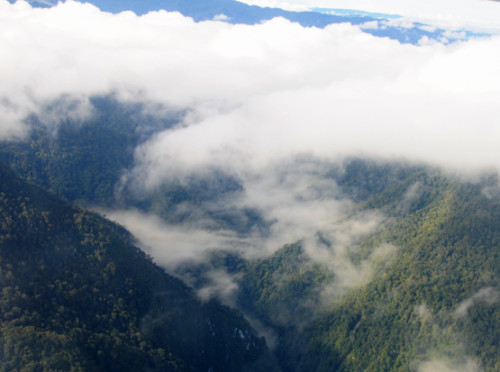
[{"x": 477, "y": 15}]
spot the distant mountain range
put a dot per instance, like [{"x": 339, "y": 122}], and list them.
[{"x": 231, "y": 11}]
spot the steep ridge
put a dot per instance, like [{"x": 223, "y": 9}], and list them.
[
  {"x": 438, "y": 299},
  {"x": 435, "y": 298},
  {"x": 78, "y": 295},
  {"x": 432, "y": 295}
]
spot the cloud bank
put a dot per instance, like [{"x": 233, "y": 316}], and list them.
[
  {"x": 255, "y": 97},
  {"x": 257, "y": 92}
]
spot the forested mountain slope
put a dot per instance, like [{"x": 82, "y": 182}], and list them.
[
  {"x": 83, "y": 160},
  {"x": 436, "y": 299},
  {"x": 419, "y": 288},
  {"x": 432, "y": 297},
  {"x": 76, "y": 294},
  {"x": 87, "y": 161}
]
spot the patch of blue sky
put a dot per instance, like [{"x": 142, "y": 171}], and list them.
[
  {"x": 39, "y": 3},
  {"x": 354, "y": 13}
]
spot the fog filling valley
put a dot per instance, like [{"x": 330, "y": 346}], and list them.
[{"x": 274, "y": 107}]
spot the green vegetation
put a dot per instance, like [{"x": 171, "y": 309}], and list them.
[
  {"x": 83, "y": 161},
  {"x": 283, "y": 290},
  {"x": 448, "y": 250},
  {"x": 76, "y": 292},
  {"x": 446, "y": 233},
  {"x": 87, "y": 162},
  {"x": 77, "y": 295}
]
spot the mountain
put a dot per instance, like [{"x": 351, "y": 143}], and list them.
[
  {"x": 87, "y": 163},
  {"x": 408, "y": 279},
  {"x": 77, "y": 294},
  {"x": 84, "y": 161},
  {"x": 434, "y": 288}
]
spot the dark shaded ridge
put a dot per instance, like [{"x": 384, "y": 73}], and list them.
[{"x": 77, "y": 294}]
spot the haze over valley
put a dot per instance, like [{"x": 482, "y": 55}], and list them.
[{"x": 309, "y": 187}]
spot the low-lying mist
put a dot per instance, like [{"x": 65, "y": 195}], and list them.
[{"x": 292, "y": 201}]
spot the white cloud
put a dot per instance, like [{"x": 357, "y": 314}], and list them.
[
  {"x": 446, "y": 365},
  {"x": 260, "y": 91},
  {"x": 221, "y": 285},
  {"x": 257, "y": 95},
  {"x": 291, "y": 197},
  {"x": 173, "y": 244},
  {"x": 221, "y": 17},
  {"x": 371, "y": 25},
  {"x": 299, "y": 203},
  {"x": 487, "y": 294},
  {"x": 435, "y": 104}
]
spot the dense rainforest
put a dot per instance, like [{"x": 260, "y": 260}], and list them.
[
  {"x": 435, "y": 297},
  {"x": 78, "y": 295},
  {"x": 423, "y": 286}
]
